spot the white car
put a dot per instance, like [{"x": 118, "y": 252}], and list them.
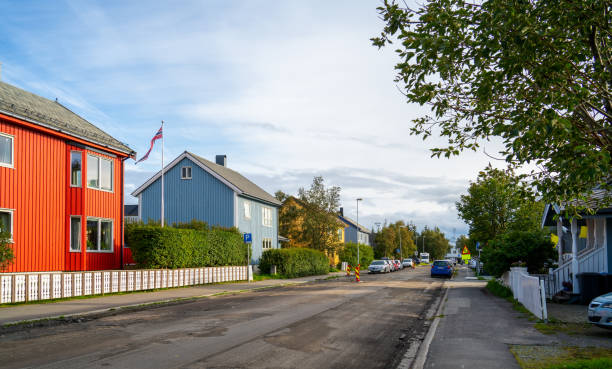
[
  {"x": 407, "y": 263},
  {"x": 378, "y": 266}
]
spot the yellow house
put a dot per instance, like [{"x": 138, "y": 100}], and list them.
[{"x": 290, "y": 226}]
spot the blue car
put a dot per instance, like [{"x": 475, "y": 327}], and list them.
[{"x": 442, "y": 268}]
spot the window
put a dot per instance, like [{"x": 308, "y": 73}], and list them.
[
  {"x": 99, "y": 235},
  {"x": 266, "y": 217},
  {"x": 75, "y": 233},
  {"x": 99, "y": 173},
  {"x": 267, "y": 243},
  {"x": 6, "y": 150},
  {"x": 6, "y": 221},
  {"x": 186, "y": 173},
  {"x": 247, "y": 209},
  {"x": 75, "y": 168},
  {"x": 339, "y": 234}
]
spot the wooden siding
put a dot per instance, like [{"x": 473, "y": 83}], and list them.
[
  {"x": 203, "y": 197},
  {"x": 255, "y": 226},
  {"x": 34, "y": 189},
  {"x": 38, "y": 190}
]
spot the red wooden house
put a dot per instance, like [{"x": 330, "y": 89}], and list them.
[{"x": 61, "y": 186}]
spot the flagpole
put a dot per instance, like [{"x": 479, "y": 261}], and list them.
[{"x": 162, "y": 178}]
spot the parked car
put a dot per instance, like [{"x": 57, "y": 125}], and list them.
[
  {"x": 407, "y": 263},
  {"x": 389, "y": 266},
  {"x": 392, "y": 265},
  {"x": 378, "y": 266},
  {"x": 400, "y": 266},
  {"x": 600, "y": 311},
  {"x": 442, "y": 267},
  {"x": 416, "y": 261}
]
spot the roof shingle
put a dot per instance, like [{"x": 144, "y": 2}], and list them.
[{"x": 51, "y": 114}]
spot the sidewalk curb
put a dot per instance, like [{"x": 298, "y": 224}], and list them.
[
  {"x": 422, "y": 348},
  {"x": 93, "y": 314}
]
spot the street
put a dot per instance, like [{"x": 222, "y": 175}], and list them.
[{"x": 327, "y": 324}]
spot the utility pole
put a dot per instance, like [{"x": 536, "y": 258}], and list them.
[{"x": 358, "y": 260}]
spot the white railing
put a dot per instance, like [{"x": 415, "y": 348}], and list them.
[
  {"x": 592, "y": 261},
  {"x": 561, "y": 274},
  {"x": 529, "y": 291},
  {"x": 23, "y": 287}
]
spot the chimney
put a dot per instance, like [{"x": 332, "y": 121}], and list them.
[
  {"x": 221, "y": 160},
  {"x": 341, "y": 212}
]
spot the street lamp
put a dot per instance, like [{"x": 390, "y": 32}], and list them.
[{"x": 358, "y": 260}]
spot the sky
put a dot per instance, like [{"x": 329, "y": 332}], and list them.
[{"x": 288, "y": 90}]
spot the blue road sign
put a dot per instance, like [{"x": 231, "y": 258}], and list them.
[
  {"x": 477, "y": 245},
  {"x": 247, "y": 238},
  {"x": 397, "y": 250}
]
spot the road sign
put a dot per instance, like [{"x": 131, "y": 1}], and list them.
[
  {"x": 477, "y": 245},
  {"x": 248, "y": 238},
  {"x": 466, "y": 257},
  {"x": 397, "y": 250},
  {"x": 465, "y": 251}
]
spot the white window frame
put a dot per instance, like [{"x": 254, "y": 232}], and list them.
[
  {"x": 99, "y": 188},
  {"x": 266, "y": 241},
  {"x": 12, "y": 220},
  {"x": 70, "y": 168},
  {"x": 266, "y": 216},
  {"x": 80, "y": 218},
  {"x": 184, "y": 172},
  {"x": 246, "y": 205},
  {"x": 99, "y": 221},
  {"x": 12, "y": 164}
]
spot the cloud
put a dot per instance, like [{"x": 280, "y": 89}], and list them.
[{"x": 288, "y": 90}]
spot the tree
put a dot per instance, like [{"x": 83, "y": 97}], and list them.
[
  {"x": 281, "y": 196},
  {"x": 6, "y": 252},
  {"x": 532, "y": 247},
  {"x": 465, "y": 241},
  {"x": 319, "y": 220},
  {"x": 536, "y": 74},
  {"x": 348, "y": 253},
  {"x": 497, "y": 202},
  {"x": 436, "y": 244},
  {"x": 388, "y": 240}
]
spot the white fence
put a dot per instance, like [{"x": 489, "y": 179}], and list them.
[
  {"x": 528, "y": 290},
  {"x": 22, "y": 287}
]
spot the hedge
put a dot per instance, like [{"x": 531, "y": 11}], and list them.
[
  {"x": 168, "y": 247},
  {"x": 295, "y": 262},
  {"x": 349, "y": 254}
]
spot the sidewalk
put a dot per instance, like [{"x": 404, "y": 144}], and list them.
[
  {"x": 95, "y": 305},
  {"x": 475, "y": 329}
]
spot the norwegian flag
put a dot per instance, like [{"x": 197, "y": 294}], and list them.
[{"x": 157, "y": 136}]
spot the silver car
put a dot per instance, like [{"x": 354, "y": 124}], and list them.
[
  {"x": 600, "y": 311},
  {"x": 378, "y": 266}
]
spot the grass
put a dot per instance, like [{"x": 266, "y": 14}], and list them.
[
  {"x": 557, "y": 357},
  {"x": 504, "y": 292},
  {"x": 481, "y": 278},
  {"x": 554, "y": 326}
]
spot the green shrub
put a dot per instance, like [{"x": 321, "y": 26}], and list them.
[
  {"x": 499, "y": 289},
  {"x": 185, "y": 247},
  {"x": 295, "y": 262},
  {"x": 6, "y": 252},
  {"x": 349, "y": 254},
  {"x": 531, "y": 247}
]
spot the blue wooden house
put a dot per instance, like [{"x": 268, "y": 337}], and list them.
[
  {"x": 354, "y": 232},
  {"x": 196, "y": 188}
]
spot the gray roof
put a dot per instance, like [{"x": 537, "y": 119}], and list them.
[
  {"x": 247, "y": 187},
  {"x": 354, "y": 223},
  {"x": 51, "y": 114}
]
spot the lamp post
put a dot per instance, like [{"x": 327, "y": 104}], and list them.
[{"x": 358, "y": 260}]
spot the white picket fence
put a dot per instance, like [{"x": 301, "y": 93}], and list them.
[
  {"x": 22, "y": 287},
  {"x": 528, "y": 290}
]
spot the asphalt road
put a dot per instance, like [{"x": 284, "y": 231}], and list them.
[{"x": 327, "y": 324}]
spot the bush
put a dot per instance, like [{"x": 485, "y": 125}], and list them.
[
  {"x": 6, "y": 252},
  {"x": 168, "y": 247},
  {"x": 531, "y": 247},
  {"x": 349, "y": 254},
  {"x": 499, "y": 289},
  {"x": 295, "y": 262}
]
